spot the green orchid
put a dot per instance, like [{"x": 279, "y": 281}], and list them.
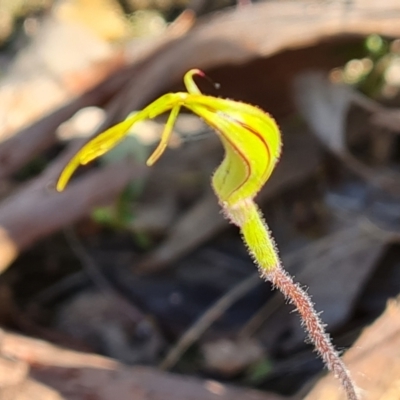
[{"x": 252, "y": 143}]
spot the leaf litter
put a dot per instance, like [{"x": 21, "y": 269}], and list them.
[{"x": 333, "y": 202}]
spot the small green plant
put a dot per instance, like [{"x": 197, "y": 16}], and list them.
[{"x": 252, "y": 143}]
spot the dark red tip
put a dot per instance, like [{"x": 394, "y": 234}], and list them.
[{"x": 203, "y": 75}]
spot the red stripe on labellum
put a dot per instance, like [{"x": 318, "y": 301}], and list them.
[
  {"x": 248, "y": 165},
  {"x": 262, "y": 140},
  {"x": 235, "y": 148},
  {"x": 214, "y": 111},
  {"x": 254, "y": 132}
]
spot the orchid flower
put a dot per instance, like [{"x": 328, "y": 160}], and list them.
[{"x": 252, "y": 143}]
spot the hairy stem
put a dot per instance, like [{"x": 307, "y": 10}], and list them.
[
  {"x": 262, "y": 247},
  {"x": 314, "y": 326}
]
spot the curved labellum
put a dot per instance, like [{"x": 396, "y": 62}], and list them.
[{"x": 252, "y": 145}]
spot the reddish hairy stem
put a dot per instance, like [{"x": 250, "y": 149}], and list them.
[
  {"x": 314, "y": 326},
  {"x": 261, "y": 246}
]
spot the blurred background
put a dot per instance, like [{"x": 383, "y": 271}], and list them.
[{"x": 130, "y": 284}]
